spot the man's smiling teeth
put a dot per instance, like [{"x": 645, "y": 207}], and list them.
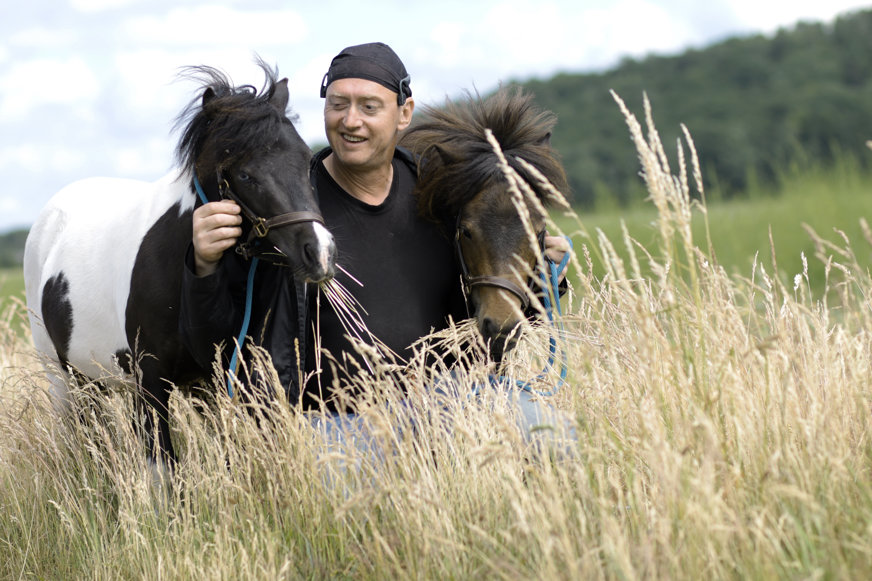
[{"x": 353, "y": 138}]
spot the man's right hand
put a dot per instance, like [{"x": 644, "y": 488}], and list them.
[{"x": 217, "y": 225}]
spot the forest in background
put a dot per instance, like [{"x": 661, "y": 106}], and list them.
[{"x": 756, "y": 106}]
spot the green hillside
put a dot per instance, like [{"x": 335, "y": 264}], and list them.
[
  {"x": 754, "y": 105},
  {"x": 12, "y": 248}
]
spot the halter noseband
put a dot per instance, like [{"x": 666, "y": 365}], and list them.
[
  {"x": 470, "y": 282},
  {"x": 260, "y": 226}
]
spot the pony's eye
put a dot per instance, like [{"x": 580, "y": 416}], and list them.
[
  {"x": 466, "y": 232},
  {"x": 243, "y": 177}
]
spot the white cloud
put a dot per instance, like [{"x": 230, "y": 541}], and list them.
[
  {"x": 28, "y": 85},
  {"x": 524, "y": 33},
  {"x": 450, "y": 49},
  {"x": 92, "y": 6},
  {"x": 42, "y": 38},
  {"x": 150, "y": 159},
  {"x": 768, "y": 16},
  {"x": 37, "y": 157},
  {"x": 651, "y": 28},
  {"x": 10, "y": 205},
  {"x": 215, "y": 25}
]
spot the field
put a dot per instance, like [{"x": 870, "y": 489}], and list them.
[
  {"x": 721, "y": 415},
  {"x": 11, "y": 284}
]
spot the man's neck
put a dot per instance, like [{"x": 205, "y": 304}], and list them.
[{"x": 369, "y": 186}]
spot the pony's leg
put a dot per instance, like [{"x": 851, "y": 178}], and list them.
[
  {"x": 153, "y": 411},
  {"x": 59, "y": 390}
]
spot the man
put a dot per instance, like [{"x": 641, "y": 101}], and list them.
[{"x": 400, "y": 269}]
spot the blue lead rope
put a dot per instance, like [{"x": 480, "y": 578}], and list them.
[
  {"x": 551, "y": 292},
  {"x": 246, "y": 319}
]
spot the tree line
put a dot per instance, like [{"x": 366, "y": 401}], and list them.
[
  {"x": 754, "y": 106},
  {"x": 12, "y": 248}
]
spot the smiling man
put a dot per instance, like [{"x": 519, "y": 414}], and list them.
[{"x": 399, "y": 267}]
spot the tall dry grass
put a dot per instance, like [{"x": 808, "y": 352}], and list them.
[{"x": 722, "y": 432}]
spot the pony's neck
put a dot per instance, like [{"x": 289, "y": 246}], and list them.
[{"x": 370, "y": 186}]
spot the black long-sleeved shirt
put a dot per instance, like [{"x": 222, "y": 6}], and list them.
[
  {"x": 406, "y": 265},
  {"x": 405, "y": 276}
]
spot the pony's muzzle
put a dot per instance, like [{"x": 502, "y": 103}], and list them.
[
  {"x": 500, "y": 338},
  {"x": 319, "y": 255}
]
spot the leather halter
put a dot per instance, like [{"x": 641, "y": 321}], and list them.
[
  {"x": 260, "y": 226},
  {"x": 470, "y": 282}
]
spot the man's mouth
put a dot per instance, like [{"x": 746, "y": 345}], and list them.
[{"x": 352, "y": 138}]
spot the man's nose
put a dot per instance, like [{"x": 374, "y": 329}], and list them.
[{"x": 352, "y": 117}]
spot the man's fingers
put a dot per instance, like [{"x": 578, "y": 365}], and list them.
[
  {"x": 556, "y": 247},
  {"x": 219, "y": 207},
  {"x": 216, "y": 227},
  {"x": 217, "y": 214}
]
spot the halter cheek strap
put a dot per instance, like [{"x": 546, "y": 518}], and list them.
[
  {"x": 470, "y": 282},
  {"x": 260, "y": 226}
]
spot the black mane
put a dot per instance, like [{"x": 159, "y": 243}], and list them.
[
  {"x": 456, "y": 161},
  {"x": 238, "y": 120}
]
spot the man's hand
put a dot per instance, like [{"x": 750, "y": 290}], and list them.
[
  {"x": 555, "y": 249},
  {"x": 216, "y": 228}
]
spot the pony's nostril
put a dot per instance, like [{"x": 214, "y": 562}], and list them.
[
  {"x": 310, "y": 254},
  {"x": 489, "y": 328}
]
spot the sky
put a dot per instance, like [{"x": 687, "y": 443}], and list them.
[{"x": 92, "y": 88}]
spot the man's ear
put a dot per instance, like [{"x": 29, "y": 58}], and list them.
[{"x": 406, "y": 111}]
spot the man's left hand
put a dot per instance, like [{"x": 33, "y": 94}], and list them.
[{"x": 556, "y": 248}]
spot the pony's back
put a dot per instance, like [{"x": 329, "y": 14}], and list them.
[{"x": 78, "y": 261}]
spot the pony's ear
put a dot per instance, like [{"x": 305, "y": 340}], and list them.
[
  {"x": 279, "y": 97},
  {"x": 443, "y": 154},
  {"x": 545, "y": 140},
  {"x": 208, "y": 95}
]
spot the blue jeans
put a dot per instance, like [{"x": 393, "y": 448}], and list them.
[{"x": 539, "y": 424}]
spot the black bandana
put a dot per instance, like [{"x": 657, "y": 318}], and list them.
[{"x": 374, "y": 61}]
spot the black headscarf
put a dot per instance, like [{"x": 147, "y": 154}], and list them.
[{"x": 374, "y": 61}]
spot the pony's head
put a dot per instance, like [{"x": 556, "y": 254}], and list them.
[
  {"x": 497, "y": 230},
  {"x": 240, "y": 144}
]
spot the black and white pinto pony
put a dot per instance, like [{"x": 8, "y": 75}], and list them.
[{"x": 103, "y": 262}]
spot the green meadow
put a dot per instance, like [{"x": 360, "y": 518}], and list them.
[
  {"x": 11, "y": 284},
  {"x": 811, "y": 214}
]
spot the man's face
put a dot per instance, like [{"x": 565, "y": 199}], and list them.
[{"x": 362, "y": 121}]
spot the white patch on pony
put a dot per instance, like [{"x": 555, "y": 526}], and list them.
[
  {"x": 326, "y": 245},
  {"x": 91, "y": 231},
  {"x": 188, "y": 200}
]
